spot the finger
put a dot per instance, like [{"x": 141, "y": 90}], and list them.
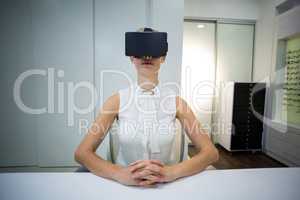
[
  {"x": 138, "y": 166},
  {"x": 141, "y": 174},
  {"x": 158, "y": 162},
  {"x": 152, "y": 178},
  {"x": 148, "y": 183},
  {"x": 154, "y": 168}
]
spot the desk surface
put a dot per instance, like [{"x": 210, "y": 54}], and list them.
[{"x": 272, "y": 183}]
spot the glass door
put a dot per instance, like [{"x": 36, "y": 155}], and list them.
[
  {"x": 214, "y": 53},
  {"x": 198, "y": 69}
]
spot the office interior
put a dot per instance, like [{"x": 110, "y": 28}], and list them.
[{"x": 216, "y": 46}]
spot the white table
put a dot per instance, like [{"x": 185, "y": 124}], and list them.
[{"x": 254, "y": 184}]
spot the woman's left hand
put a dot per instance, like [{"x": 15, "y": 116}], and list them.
[{"x": 152, "y": 171}]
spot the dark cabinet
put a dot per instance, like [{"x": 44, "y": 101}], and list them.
[{"x": 244, "y": 112}]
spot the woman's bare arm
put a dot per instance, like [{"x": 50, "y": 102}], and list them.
[
  {"x": 207, "y": 154},
  {"x": 85, "y": 153}
]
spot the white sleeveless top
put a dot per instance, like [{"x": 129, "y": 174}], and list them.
[{"x": 145, "y": 126}]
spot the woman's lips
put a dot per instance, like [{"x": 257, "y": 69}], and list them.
[{"x": 147, "y": 63}]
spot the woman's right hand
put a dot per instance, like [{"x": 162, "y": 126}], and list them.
[{"x": 124, "y": 176}]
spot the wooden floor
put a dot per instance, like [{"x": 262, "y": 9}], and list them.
[{"x": 241, "y": 160}]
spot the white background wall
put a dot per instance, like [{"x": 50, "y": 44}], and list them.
[
  {"x": 62, "y": 38},
  {"x": 230, "y": 9},
  {"x": 17, "y": 147},
  {"x": 264, "y": 39}
]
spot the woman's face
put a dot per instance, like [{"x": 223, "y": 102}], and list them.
[{"x": 147, "y": 66}]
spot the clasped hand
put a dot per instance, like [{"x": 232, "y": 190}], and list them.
[{"x": 146, "y": 173}]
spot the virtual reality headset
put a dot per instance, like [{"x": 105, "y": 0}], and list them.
[{"x": 148, "y": 43}]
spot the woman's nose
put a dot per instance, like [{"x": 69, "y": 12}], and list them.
[{"x": 147, "y": 57}]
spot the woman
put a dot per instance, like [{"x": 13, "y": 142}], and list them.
[{"x": 143, "y": 157}]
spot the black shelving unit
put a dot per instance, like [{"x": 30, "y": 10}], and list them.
[{"x": 247, "y": 107}]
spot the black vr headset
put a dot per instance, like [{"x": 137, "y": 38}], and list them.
[{"x": 148, "y": 43}]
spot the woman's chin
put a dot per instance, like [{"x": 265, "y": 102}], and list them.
[{"x": 147, "y": 66}]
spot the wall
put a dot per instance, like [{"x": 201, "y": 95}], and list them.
[
  {"x": 62, "y": 40},
  {"x": 39, "y": 35},
  {"x": 230, "y": 9},
  {"x": 264, "y": 41},
  {"x": 82, "y": 38},
  {"x": 282, "y": 139},
  {"x": 17, "y": 146}
]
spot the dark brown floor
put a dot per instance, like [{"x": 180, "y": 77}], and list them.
[{"x": 241, "y": 160}]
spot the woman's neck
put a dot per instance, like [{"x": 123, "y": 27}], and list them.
[{"x": 148, "y": 83}]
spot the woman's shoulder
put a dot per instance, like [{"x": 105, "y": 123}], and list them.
[
  {"x": 113, "y": 100},
  {"x": 125, "y": 93},
  {"x": 111, "y": 104}
]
